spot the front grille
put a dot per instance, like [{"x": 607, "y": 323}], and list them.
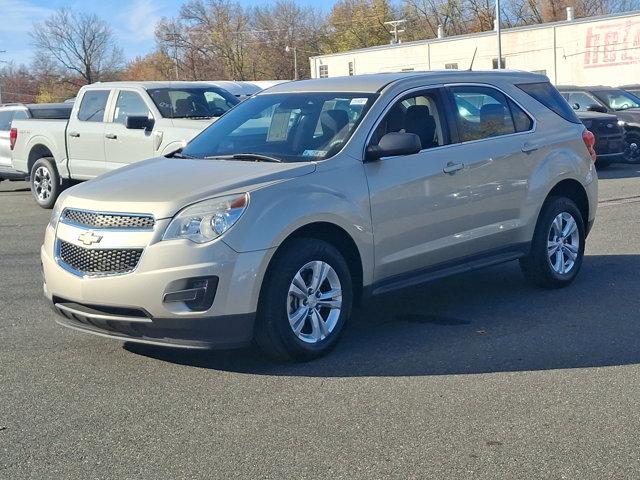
[
  {"x": 99, "y": 261},
  {"x": 108, "y": 220}
]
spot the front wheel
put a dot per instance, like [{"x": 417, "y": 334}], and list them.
[
  {"x": 45, "y": 182},
  {"x": 557, "y": 248},
  {"x": 306, "y": 301},
  {"x": 632, "y": 148}
]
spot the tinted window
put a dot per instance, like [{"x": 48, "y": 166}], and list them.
[
  {"x": 5, "y": 119},
  {"x": 62, "y": 112},
  {"x": 192, "y": 102},
  {"x": 93, "y": 105},
  {"x": 521, "y": 120},
  {"x": 129, "y": 104},
  {"x": 293, "y": 127},
  {"x": 421, "y": 114},
  {"x": 546, "y": 94},
  {"x": 482, "y": 113}
]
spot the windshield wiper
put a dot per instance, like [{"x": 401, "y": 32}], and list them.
[
  {"x": 197, "y": 117},
  {"x": 256, "y": 157},
  {"x": 179, "y": 154}
]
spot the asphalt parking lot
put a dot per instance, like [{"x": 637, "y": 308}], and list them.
[{"x": 476, "y": 376}]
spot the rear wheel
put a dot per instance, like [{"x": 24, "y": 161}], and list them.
[
  {"x": 557, "y": 248},
  {"x": 45, "y": 182},
  {"x": 306, "y": 301}
]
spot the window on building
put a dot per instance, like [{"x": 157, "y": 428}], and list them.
[
  {"x": 485, "y": 112},
  {"x": 93, "y": 105},
  {"x": 495, "y": 63},
  {"x": 451, "y": 66},
  {"x": 408, "y": 69},
  {"x": 350, "y": 68},
  {"x": 541, "y": 72},
  {"x": 419, "y": 113},
  {"x": 323, "y": 71}
]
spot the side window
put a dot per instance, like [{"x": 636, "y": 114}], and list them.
[
  {"x": 421, "y": 114},
  {"x": 482, "y": 113},
  {"x": 5, "y": 119},
  {"x": 93, "y": 106},
  {"x": 582, "y": 99},
  {"x": 129, "y": 104},
  {"x": 521, "y": 120},
  {"x": 20, "y": 115},
  {"x": 548, "y": 95}
]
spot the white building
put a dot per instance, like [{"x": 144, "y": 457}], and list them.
[{"x": 591, "y": 51}]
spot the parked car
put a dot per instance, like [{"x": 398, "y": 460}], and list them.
[
  {"x": 615, "y": 101},
  {"x": 111, "y": 125},
  {"x": 609, "y": 132},
  {"x": 634, "y": 89},
  {"x": 246, "y": 89},
  {"x": 356, "y": 186},
  {"x": 16, "y": 111}
]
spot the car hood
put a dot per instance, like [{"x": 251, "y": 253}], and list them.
[{"x": 162, "y": 186}]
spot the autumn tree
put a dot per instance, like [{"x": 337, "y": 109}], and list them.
[{"x": 358, "y": 24}]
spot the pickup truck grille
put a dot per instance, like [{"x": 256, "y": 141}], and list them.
[
  {"x": 108, "y": 220},
  {"x": 98, "y": 261}
]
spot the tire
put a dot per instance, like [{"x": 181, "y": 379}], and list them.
[
  {"x": 283, "y": 306},
  {"x": 557, "y": 269},
  {"x": 632, "y": 155},
  {"x": 45, "y": 182}
]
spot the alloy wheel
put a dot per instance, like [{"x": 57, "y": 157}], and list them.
[
  {"x": 42, "y": 183},
  {"x": 563, "y": 243},
  {"x": 314, "y": 302}
]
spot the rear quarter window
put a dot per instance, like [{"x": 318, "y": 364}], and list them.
[{"x": 548, "y": 95}]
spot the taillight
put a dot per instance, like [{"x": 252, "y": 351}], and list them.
[
  {"x": 13, "y": 136},
  {"x": 589, "y": 140}
]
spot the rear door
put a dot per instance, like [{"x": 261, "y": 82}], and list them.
[
  {"x": 85, "y": 135},
  {"x": 123, "y": 145},
  {"x": 497, "y": 144}
]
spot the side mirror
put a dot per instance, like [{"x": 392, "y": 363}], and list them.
[
  {"x": 394, "y": 144},
  {"x": 139, "y": 123},
  {"x": 597, "y": 108},
  {"x": 576, "y": 106}
]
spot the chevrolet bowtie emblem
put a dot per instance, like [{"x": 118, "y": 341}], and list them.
[{"x": 89, "y": 238}]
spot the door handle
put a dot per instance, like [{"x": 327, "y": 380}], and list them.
[
  {"x": 529, "y": 147},
  {"x": 74, "y": 134},
  {"x": 453, "y": 167},
  {"x": 111, "y": 136}
]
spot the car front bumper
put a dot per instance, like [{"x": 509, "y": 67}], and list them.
[{"x": 133, "y": 306}]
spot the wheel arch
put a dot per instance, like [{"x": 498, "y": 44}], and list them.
[
  {"x": 337, "y": 237},
  {"x": 37, "y": 152},
  {"x": 575, "y": 191}
]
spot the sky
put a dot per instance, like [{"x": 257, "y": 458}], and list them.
[{"x": 132, "y": 21}]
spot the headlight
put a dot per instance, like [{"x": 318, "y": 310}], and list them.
[
  {"x": 621, "y": 123},
  {"x": 204, "y": 221},
  {"x": 55, "y": 215}
]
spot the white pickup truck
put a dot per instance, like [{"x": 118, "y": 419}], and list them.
[{"x": 111, "y": 125}]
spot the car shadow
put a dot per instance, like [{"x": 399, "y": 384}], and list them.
[
  {"x": 481, "y": 322},
  {"x": 619, "y": 170}
]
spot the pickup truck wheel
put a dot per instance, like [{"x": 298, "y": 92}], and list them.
[
  {"x": 632, "y": 148},
  {"x": 306, "y": 301},
  {"x": 557, "y": 248},
  {"x": 45, "y": 182}
]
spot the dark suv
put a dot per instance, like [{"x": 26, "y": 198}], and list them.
[
  {"x": 624, "y": 105},
  {"x": 634, "y": 89}
]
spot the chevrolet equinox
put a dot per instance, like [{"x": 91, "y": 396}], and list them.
[{"x": 275, "y": 221}]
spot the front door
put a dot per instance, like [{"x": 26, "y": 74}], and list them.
[
  {"x": 85, "y": 135},
  {"x": 123, "y": 145},
  {"x": 416, "y": 199}
]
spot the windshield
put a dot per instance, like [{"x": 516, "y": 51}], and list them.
[
  {"x": 618, "y": 99},
  {"x": 192, "y": 102},
  {"x": 291, "y": 127}
]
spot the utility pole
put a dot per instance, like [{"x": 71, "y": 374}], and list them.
[
  {"x": 1, "y": 61},
  {"x": 394, "y": 24},
  {"x": 498, "y": 32},
  {"x": 295, "y": 60}
]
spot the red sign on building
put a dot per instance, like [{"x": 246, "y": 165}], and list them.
[{"x": 612, "y": 45}]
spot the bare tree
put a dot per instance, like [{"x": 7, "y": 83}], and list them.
[{"x": 83, "y": 44}]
